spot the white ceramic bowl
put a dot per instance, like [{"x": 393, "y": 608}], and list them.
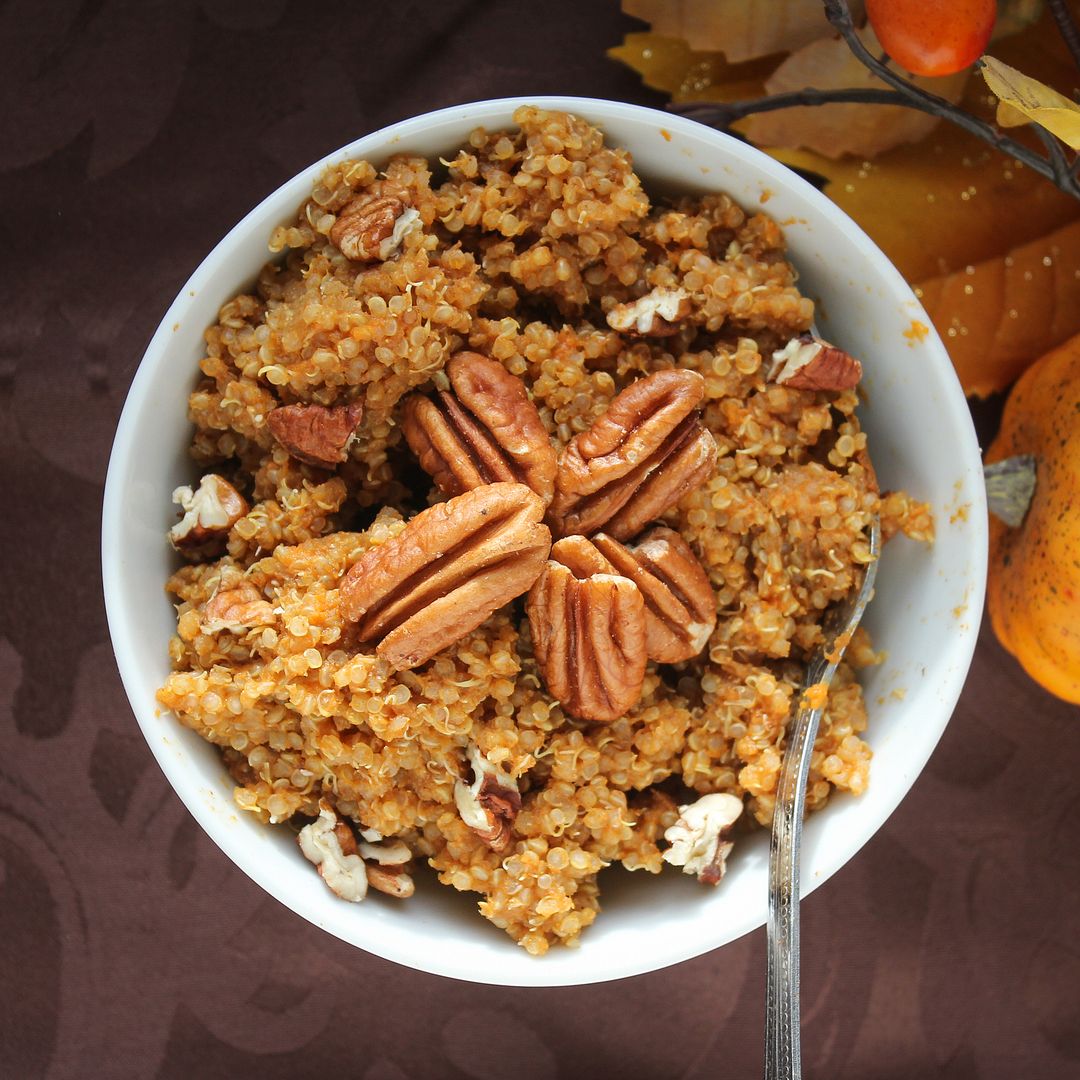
[{"x": 926, "y": 612}]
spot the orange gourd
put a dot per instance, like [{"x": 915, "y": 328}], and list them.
[{"x": 1033, "y": 592}]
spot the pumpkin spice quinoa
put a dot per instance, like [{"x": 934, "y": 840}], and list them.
[{"x": 522, "y": 498}]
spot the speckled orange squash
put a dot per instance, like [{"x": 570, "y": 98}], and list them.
[{"x": 1033, "y": 592}]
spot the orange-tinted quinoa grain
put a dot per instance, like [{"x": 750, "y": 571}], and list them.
[{"x": 529, "y": 237}]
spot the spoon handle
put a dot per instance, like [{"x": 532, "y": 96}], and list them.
[
  {"x": 782, "y": 1054},
  {"x": 783, "y": 1057}
]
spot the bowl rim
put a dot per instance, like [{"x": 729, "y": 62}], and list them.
[{"x": 378, "y": 144}]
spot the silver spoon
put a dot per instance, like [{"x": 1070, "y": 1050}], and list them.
[{"x": 783, "y": 1060}]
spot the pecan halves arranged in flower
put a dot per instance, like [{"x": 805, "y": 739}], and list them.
[
  {"x": 486, "y": 431},
  {"x": 589, "y": 640},
  {"x": 446, "y": 572},
  {"x": 490, "y": 803},
  {"x": 680, "y": 605},
  {"x": 372, "y": 227},
  {"x": 808, "y": 363},
  {"x": 640, "y": 457},
  {"x": 318, "y": 435},
  {"x": 210, "y": 511}
]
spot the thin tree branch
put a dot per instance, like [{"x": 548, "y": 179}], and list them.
[
  {"x": 1063, "y": 174},
  {"x": 724, "y": 113},
  {"x": 1069, "y": 33}
]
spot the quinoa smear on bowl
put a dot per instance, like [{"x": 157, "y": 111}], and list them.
[{"x": 522, "y": 495}]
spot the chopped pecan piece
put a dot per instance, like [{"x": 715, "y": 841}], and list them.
[
  {"x": 589, "y": 639},
  {"x": 656, "y": 314},
  {"x": 391, "y": 880},
  {"x": 484, "y": 432},
  {"x": 385, "y": 863},
  {"x": 490, "y": 803},
  {"x": 680, "y": 606},
  {"x": 370, "y": 228},
  {"x": 640, "y": 457},
  {"x": 699, "y": 840},
  {"x": 210, "y": 511},
  {"x": 808, "y": 363},
  {"x": 329, "y": 843},
  {"x": 385, "y": 852},
  {"x": 238, "y": 609},
  {"x": 446, "y": 572},
  {"x": 318, "y": 435}
]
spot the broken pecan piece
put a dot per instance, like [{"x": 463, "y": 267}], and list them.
[
  {"x": 238, "y": 610},
  {"x": 680, "y": 606},
  {"x": 392, "y": 880},
  {"x": 486, "y": 431},
  {"x": 656, "y": 314},
  {"x": 490, "y": 803},
  {"x": 373, "y": 227},
  {"x": 328, "y": 842},
  {"x": 700, "y": 839},
  {"x": 385, "y": 863},
  {"x": 589, "y": 639},
  {"x": 348, "y": 868},
  {"x": 446, "y": 572},
  {"x": 808, "y": 363},
  {"x": 318, "y": 435},
  {"x": 210, "y": 511},
  {"x": 640, "y": 457}
]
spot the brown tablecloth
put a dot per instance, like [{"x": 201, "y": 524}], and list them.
[{"x": 133, "y": 136}]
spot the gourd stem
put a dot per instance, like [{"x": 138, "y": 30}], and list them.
[{"x": 1010, "y": 485}]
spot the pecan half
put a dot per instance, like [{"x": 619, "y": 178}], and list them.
[
  {"x": 370, "y": 228},
  {"x": 589, "y": 640},
  {"x": 316, "y": 434},
  {"x": 484, "y": 432},
  {"x": 490, "y": 803},
  {"x": 446, "y": 572},
  {"x": 640, "y": 457},
  {"x": 808, "y": 363},
  {"x": 238, "y": 609},
  {"x": 656, "y": 314},
  {"x": 700, "y": 839},
  {"x": 210, "y": 511},
  {"x": 680, "y": 606}
]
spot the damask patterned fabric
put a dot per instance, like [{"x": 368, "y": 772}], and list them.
[{"x": 132, "y": 136}]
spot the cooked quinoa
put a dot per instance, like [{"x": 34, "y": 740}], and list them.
[{"x": 525, "y": 241}]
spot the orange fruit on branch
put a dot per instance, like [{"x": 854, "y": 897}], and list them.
[{"x": 933, "y": 37}]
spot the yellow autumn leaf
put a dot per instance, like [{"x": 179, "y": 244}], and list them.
[
  {"x": 995, "y": 316},
  {"x": 670, "y": 65},
  {"x": 838, "y": 129},
  {"x": 1008, "y": 117},
  {"x": 741, "y": 30},
  {"x": 1035, "y": 100}
]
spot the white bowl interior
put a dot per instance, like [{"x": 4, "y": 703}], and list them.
[{"x": 926, "y": 612}]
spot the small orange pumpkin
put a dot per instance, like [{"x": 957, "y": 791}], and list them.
[{"x": 1033, "y": 592}]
